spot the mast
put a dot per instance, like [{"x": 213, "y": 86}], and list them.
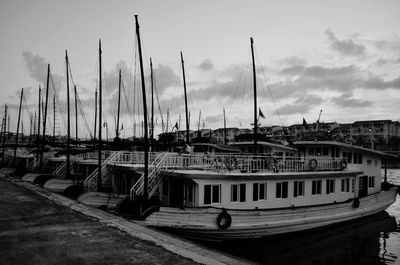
[
  {"x": 16, "y": 135},
  {"x": 198, "y": 125},
  {"x": 54, "y": 117},
  {"x": 76, "y": 116},
  {"x": 4, "y": 133},
  {"x": 38, "y": 129},
  {"x": 167, "y": 120},
  {"x": 99, "y": 184},
  {"x": 255, "y": 99},
  {"x": 146, "y": 140},
  {"x": 119, "y": 105},
  {"x": 225, "y": 139},
  {"x": 186, "y": 108},
  {"x": 45, "y": 117},
  {"x": 152, "y": 106},
  {"x": 68, "y": 170},
  {"x": 95, "y": 116}
]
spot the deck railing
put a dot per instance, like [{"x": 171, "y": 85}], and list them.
[{"x": 222, "y": 163}]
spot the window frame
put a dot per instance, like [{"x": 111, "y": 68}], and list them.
[{"x": 212, "y": 199}]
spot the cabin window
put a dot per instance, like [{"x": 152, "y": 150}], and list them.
[
  {"x": 330, "y": 186},
  {"x": 259, "y": 191},
  {"x": 311, "y": 151},
  {"x": 345, "y": 187},
  {"x": 282, "y": 189},
  {"x": 353, "y": 181},
  {"x": 316, "y": 187},
  {"x": 189, "y": 192},
  {"x": 212, "y": 194},
  {"x": 298, "y": 188},
  {"x": 238, "y": 192},
  {"x": 371, "y": 182},
  {"x": 369, "y": 162},
  {"x": 325, "y": 151},
  {"x": 357, "y": 158}
]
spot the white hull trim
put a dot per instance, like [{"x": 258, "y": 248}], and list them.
[{"x": 201, "y": 223}]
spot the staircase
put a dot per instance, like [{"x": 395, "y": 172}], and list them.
[
  {"x": 153, "y": 178},
  {"x": 90, "y": 183},
  {"x": 60, "y": 171}
]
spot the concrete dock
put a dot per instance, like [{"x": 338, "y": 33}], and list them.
[{"x": 41, "y": 227}]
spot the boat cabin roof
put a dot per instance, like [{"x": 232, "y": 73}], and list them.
[
  {"x": 343, "y": 145},
  {"x": 263, "y": 143}
]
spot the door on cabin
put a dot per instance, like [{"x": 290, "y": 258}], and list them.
[
  {"x": 176, "y": 193},
  {"x": 363, "y": 186}
]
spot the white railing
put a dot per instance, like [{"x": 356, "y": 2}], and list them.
[
  {"x": 222, "y": 163},
  {"x": 154, "y": 176},
  {"x": 61, "y": 170},
  {"x": 90, "y": 183},
  {"x": 134, "y": 157}
]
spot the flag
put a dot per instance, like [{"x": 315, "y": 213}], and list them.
[
  {"x": 260, "y": 113},
  {"x": 122, "y": 126},
  {"x": 176, "y": 125},
  {"x": 305, "y": 124}
]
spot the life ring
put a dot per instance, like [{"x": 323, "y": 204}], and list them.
[
  {"x": 313, "y": 164},
  {"x": 343, "y": 164},
  {"x": 224, "y": 220},
  {"x": 356, "y": 202}
]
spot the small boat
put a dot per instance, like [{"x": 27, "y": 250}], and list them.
[{"x": 231, "y": 196}]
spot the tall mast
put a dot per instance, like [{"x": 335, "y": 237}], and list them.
[
  {"x": 4, "y": 133},
  {"x": 16, "y": 135},
  {"x": 119, "y": 105},
  {"x": 95, "y": 116},
  {"x": 68, "y": 172},
  {"x": 152, "y": 105},
  {"x": 99, "y": 184},
  {"x": 186, "y": 108},
  {"x": 76, "y": 116},
  {"x": 38, "y": 128},
  {"x": 225, "y": 139},
  {"x": 146, "y": 140},
  {"x": 167, "y": 120},
  {"x": 198, "y": 125},
  {"x": 45, "y": 117},
  {"x": 54, "y": 117},
  {"x": 255, "y": 98}
]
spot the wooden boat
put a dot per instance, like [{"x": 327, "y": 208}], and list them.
[{"x": 224, "y": 197}]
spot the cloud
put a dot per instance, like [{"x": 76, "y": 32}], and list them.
[
  {"x": 165, "y": 77},
  {"x": 346, "y": 100},
  {"x": 301, "y": 105},
  {"x": 206, "y": 65},
  {"x": 293, "y": 70},
  {"x": 37, "y": 67},
  {"x": 345, "y": 47}
]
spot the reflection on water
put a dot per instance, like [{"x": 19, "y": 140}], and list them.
[{"x": 372, "y": 240}]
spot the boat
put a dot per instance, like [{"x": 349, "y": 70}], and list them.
[{"x": 242, "y": 196}]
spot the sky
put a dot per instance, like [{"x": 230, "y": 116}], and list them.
[{"x": 341, "y": 57}]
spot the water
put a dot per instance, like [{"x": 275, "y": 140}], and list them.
[{"x": 372, "y": 240}]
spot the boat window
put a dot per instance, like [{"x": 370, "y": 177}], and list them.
[
  {"x": 212, "y": 194},
  {"x": 330, "y": 186},
  {"x": 189, "y": 192},
  {"x": 345, "y": 187},
  {"x": 259, "y": 191},
  {"x": 325, "y": 151},
  {"x": 353, "y": 181},
  {"x": 282, "y": 189},
  {"x": 371, "y": 182},
  {"x": 298, "y": 189},
  {"x": 238, "y": 192},
  {"x": 311, "y": 151},
  {"x": 316, "y": 187},
  {"x": 318, "y": 151}
]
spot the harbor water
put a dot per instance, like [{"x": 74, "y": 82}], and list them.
[{"x": 372, "y": 240}]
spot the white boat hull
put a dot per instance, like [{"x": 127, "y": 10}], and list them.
[{"x": 201, "y": 223}]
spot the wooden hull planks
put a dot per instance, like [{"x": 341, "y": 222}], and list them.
[{"x": 201, "y": 223}]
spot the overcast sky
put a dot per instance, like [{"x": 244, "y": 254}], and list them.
[{"x": 339, "y": 56}]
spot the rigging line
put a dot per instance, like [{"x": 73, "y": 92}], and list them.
[
  {"x": 269, "y": 90},
  {"x": 83, "y": 115},
  {"x": 126, "y": 100},
  {"x": 58, "y": 101},
  {"x": 158, "y": 103},
  {"x": 244, "y": 66}
]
